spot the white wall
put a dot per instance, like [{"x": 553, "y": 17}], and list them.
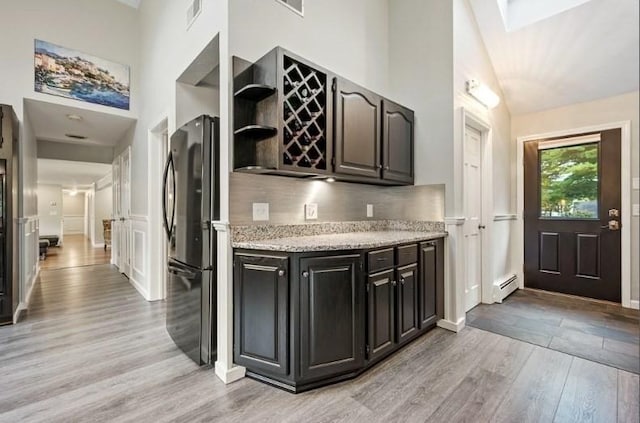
[
  {"x": 102, "y": 208},
  {"x": 73, "y": 213},
  {"x": 350, "y": 38},
  {"x": 103, "y": 28},
  {"x": 608, "y": 110},
  {"x": 421, "y": 77},
  {"x": 471, "y": 61},
  {"x": 50, "y": 209}
]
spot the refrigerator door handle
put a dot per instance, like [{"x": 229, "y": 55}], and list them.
[{"x": 168, "y": 225}]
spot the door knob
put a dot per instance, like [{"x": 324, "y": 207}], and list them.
[{"x": 612, "y": 225}]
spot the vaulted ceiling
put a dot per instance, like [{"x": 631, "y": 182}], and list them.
[{"x": 587, "y": 51}]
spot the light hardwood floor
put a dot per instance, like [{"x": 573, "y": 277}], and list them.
[
  {"x": 75, "y": 251},
  {"x": 91, "y": 349}
]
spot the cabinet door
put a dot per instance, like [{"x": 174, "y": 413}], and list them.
[
  {"x": 358, "y": 128},
  {"x": 431, "y": 283},
  {"x": 331, "y": 315},
  {"x": 407, "y": 302},
  {"x": 261, "y": 296},
  {"x": 397, "y": 143},
  {"x": 381, "y": 331}
]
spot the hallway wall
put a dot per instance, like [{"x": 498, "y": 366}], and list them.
[
  {"x": 72, "y": 213},
  {"x": 50, "y": 209}
]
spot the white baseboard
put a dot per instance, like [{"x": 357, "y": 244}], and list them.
[
  {"x": 140, "y": 289},
  {"x": 27, "y": 299},
  {"x": 452, "y": 326},
  {"x": 98, "y": 245},
  {"x": 503, "y": 287},
  {"x": 635, "y": 304},
  {"x": 229, "y": 375}
]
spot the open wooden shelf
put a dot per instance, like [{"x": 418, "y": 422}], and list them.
[
  {"x": 256, "y": 132},
  {"x": 255, "y": 92}
]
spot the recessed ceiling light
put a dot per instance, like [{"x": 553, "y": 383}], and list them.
[
  {"x": 74, "y": 117},
  {"x": 75, "y": 136}
]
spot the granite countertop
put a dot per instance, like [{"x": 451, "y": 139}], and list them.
[{"x": 338, "y": 241}]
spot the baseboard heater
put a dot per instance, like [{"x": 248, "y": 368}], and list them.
[{"x": 504, "y": 289}]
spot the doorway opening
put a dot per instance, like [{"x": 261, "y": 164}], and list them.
[
  {"x": 623, "y": 186},
  {"x": 74, "y": 213}
]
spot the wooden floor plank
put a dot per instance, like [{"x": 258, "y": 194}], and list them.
[
  {"x": 92, "y": 349},
  {"x": 589, "y": 395},
  {"x": 535, "y": 393},
  {"x": 628, "y": 397}
]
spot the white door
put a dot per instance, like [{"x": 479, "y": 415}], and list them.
[
  {"x": 115, "y": 221},
  {"x": 125, "y": 212},
  {"x": 473, "y": 212}
]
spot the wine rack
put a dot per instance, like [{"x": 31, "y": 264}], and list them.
[{"x": 305, "y": 116}]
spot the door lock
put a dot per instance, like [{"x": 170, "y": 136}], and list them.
[
  {"x": 614, "y": 213},
  {"x": 612, "y": 225}
]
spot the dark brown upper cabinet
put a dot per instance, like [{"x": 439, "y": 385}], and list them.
[
  {"x": 397, "y": 142},
  {"x": 357, "y": 130},
  {"x": 293, "y": 117},
  {"x": 283, "y": 117}
]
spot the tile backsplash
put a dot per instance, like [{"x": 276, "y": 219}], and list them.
[{"x": 337, "y": 201}]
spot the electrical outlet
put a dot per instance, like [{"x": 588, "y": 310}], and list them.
[
  {"x": 636, "y": 210},
  {"x": 260, "y": 211},
  {"x": 311, "y": 211},
  {"x": 369, "y": 210}
]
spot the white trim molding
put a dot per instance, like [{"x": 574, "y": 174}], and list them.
[
  {"x": 635, "y": 304},
  {"x": 625, "y": 189},
  {"x": 28, "y": 261}
]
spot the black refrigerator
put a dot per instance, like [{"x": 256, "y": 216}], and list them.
[{"x": 191, "y": 201}]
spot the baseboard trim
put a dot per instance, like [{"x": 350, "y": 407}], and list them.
[
  {"x": 452, "y": 326},
  {"x": 27, "y": 299},
  {"x": 139, "y": 288},
  {"x": 635, "y": 304},
  {"x": 229, "y": 375},
  {"x": 98, "y": 245},
  {"x": 504, "y": 287}
]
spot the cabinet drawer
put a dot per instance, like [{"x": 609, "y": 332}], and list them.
[
  {"x": 407, "y": 254},
  {"x": 380, "y": 260}
]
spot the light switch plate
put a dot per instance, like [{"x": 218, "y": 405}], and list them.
[
  {"x": 311, "y": 211},
  {"x": 260, "y": 211},
  {"x": 636, "y": 183},
  {"x": 369, "y": 210},
  {"x": 636, "y": 210}
]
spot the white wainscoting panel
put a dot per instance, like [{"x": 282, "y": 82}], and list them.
[
  {"x": 29, "y": 259},
  {"x": 139, "y": 250},
  {"x": 73, "y": 224}
]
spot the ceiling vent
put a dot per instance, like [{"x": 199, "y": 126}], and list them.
[
  {"x": 75, "y": 136},
  {"x": 294, "y": 5},
  {"x": 193, "y": 11}
]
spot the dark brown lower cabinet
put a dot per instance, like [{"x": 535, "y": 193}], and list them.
[
  {"x": 381, "y": 323},
  {"x": 331, "y": 316},
  {"x": 431, "y": 286},
  {"x": 261, "y": 303},
  {"x": 407, "y": 279},
  {"x": 303, "y": 320}
]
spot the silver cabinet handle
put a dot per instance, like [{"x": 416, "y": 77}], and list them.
[
  {"x": 394, "y": 283},
  {"x": 402, "y": 281},
  {"x": 305, "y": 274},
  {"x": 280, "y": 272}
]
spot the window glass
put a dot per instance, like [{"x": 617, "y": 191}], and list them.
[{"x": 569, "y": 182}]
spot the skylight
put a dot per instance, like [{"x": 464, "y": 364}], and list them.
[{"x": 517, "y": 14}]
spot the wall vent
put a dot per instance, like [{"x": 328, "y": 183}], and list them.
[
  {"x": 193, "y": 11},
  {"x": 294, "y": 5}
]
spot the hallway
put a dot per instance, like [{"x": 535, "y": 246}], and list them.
[
  {"x": 75, "y": 251},
  {"x": 92, "y": 349}
]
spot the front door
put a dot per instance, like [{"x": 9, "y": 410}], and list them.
[
  {"x": 572, "y": 216},
  {"x": 472, "y": 211}
]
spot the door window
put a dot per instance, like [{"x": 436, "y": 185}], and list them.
[{"x": 569, "y": 181}]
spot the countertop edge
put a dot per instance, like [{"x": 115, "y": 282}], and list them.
[{"x": 265, "y": 245}]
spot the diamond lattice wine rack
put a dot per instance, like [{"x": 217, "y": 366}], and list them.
[
  {"x": 305, "y": 116},
  {"x": 281, "y": 109}
]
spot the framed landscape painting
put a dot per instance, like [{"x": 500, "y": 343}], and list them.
[{"x": 79, "y": 76}]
